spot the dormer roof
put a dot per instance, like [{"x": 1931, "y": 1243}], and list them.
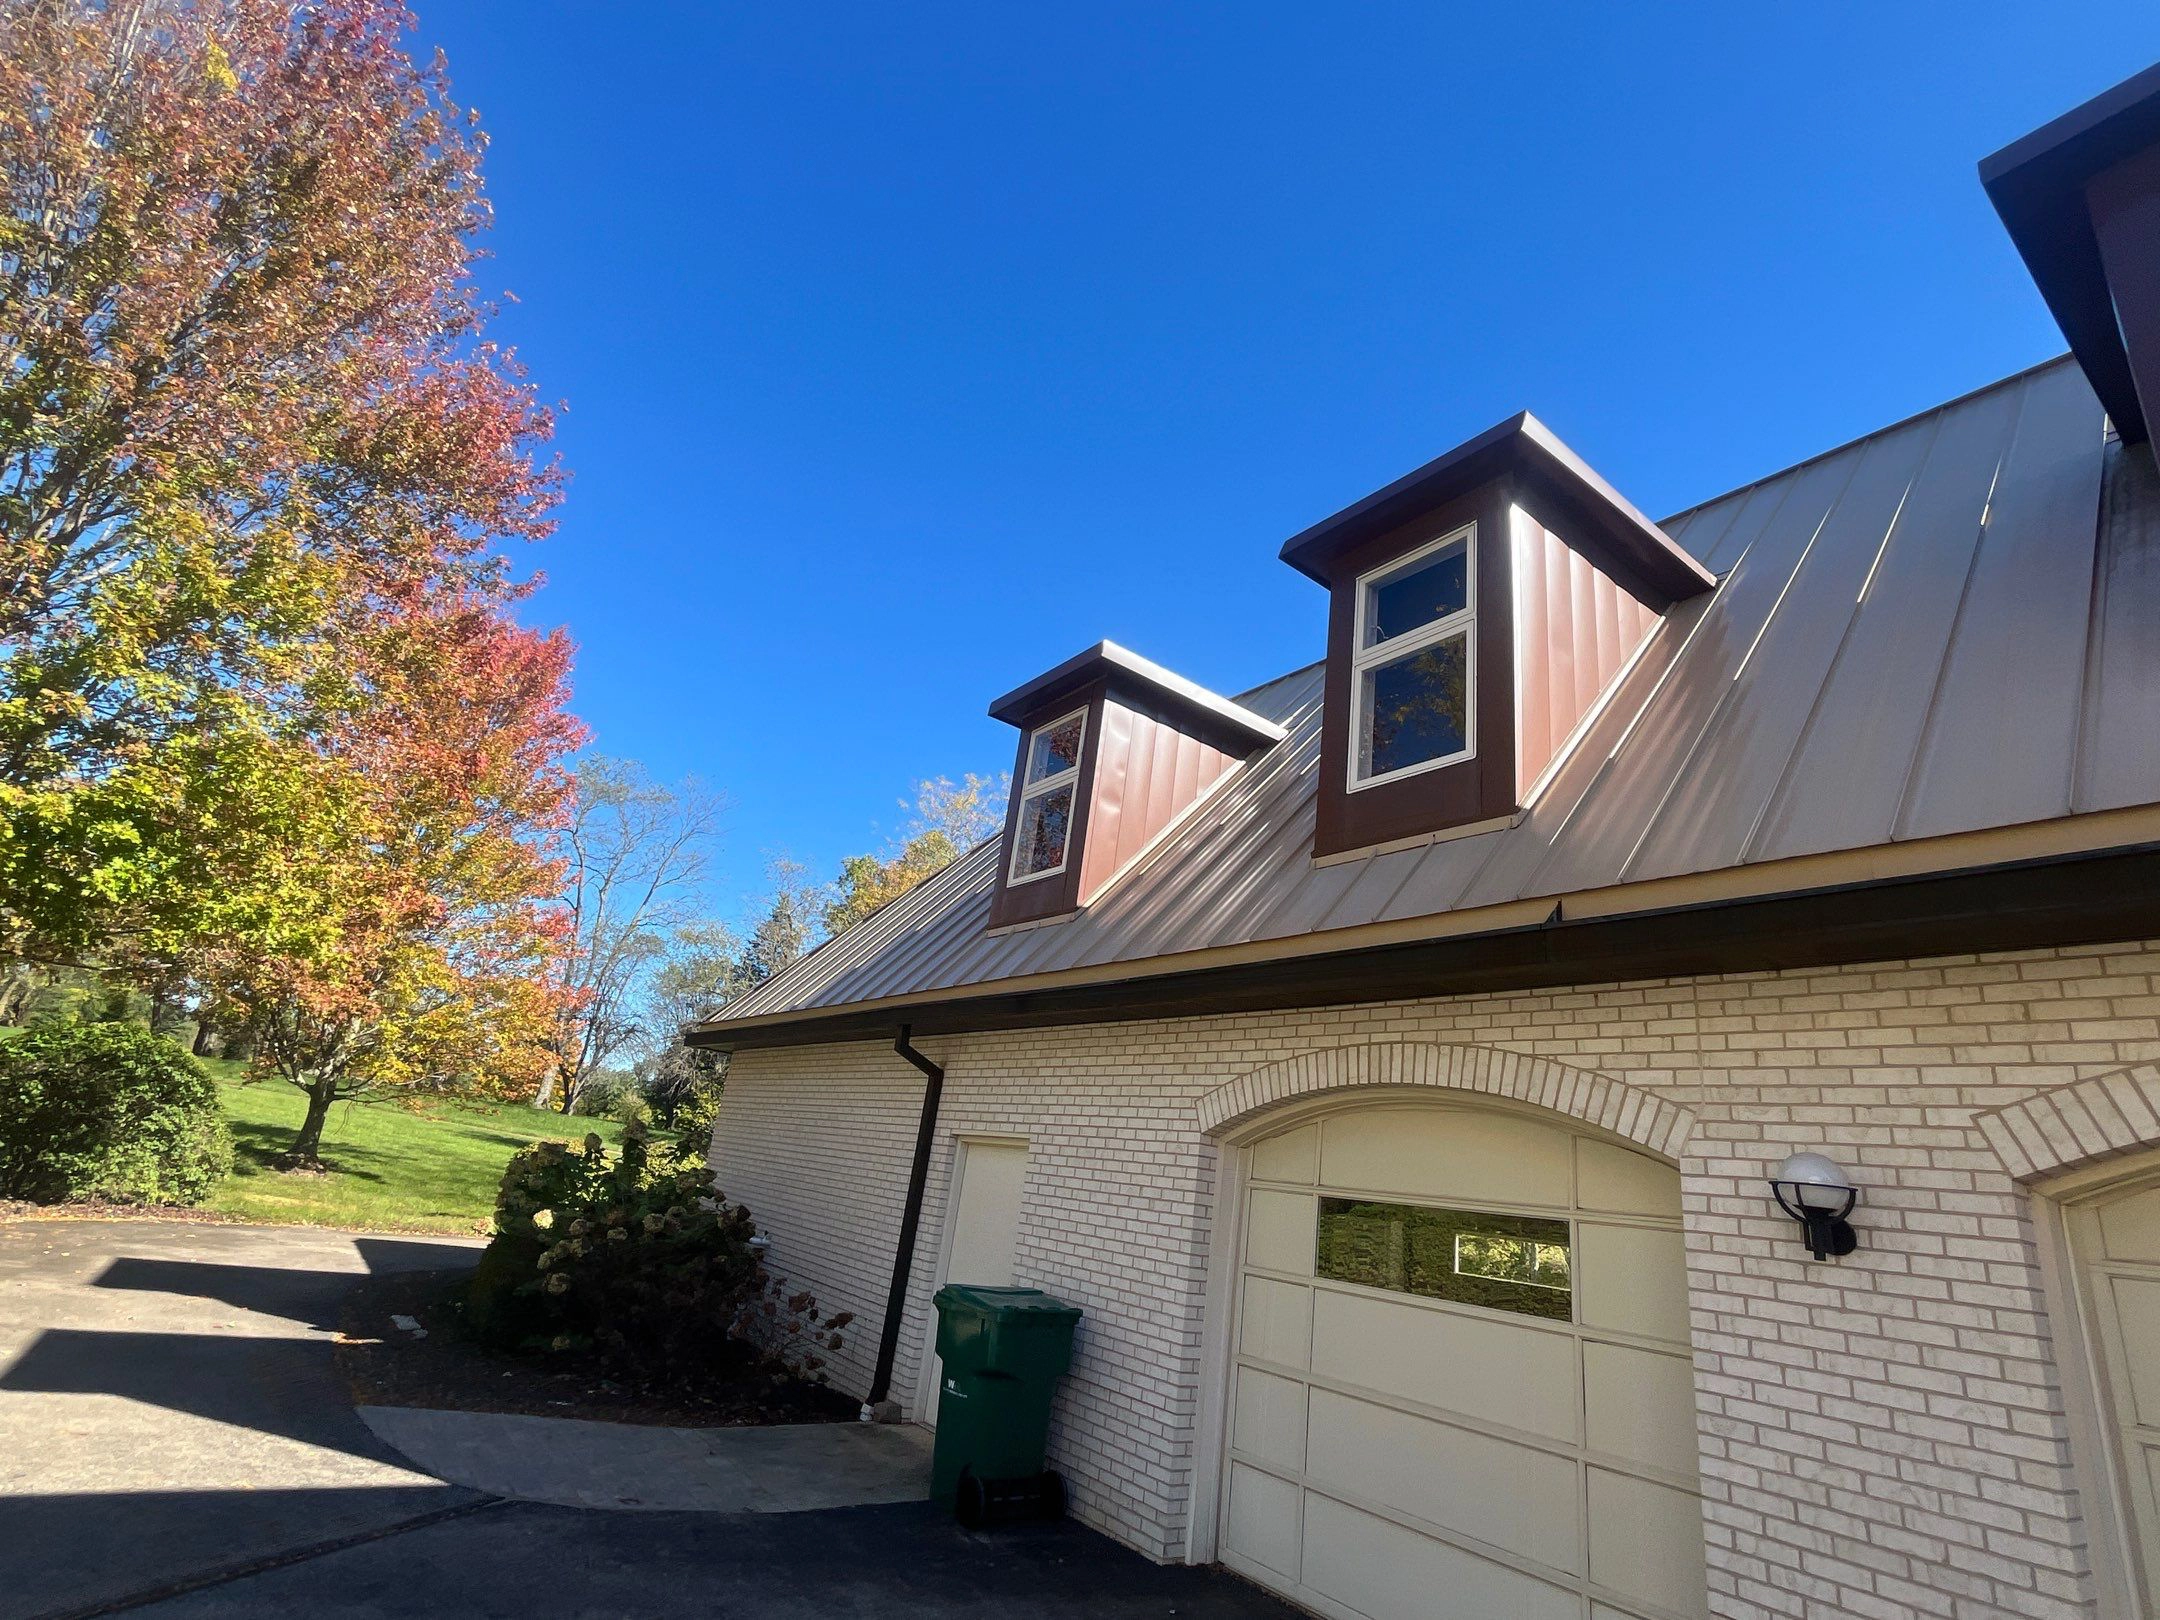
[
  {"x": 1240, "y": 730},
  {"x": 1114, "y": 753},
  {"x": 1566, "y": 493}
]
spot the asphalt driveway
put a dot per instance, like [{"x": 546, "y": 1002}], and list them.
[
  {"x": 175, "y": 1441},
  {"x": 168, "y": 1404}
]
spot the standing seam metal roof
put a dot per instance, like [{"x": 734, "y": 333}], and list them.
[{"x": 1911, "y": 636}]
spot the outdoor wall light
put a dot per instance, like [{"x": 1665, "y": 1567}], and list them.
[{"x": 1815, "y": 1192}]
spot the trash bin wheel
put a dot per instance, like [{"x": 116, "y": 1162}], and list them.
[
  {"x": 970, "y": 1505},
  {"x": 1052, "y": 1501}
]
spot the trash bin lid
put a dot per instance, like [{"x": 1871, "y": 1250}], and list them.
[{"x": 1005, "y": 1303}]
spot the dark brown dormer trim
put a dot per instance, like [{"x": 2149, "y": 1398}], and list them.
[
  {"x": 1553, "y": 481},
  {"x": 1477, "y": 789}
]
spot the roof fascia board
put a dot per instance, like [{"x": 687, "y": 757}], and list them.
[{"x": 2037, "y": 184}]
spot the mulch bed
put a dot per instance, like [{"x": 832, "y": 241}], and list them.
[
  {"x": 11, "y": 1210},
  {"x": 446, "y": 1371}
]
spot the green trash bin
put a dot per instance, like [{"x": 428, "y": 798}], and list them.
[{"x": 1004, "y": 1349}]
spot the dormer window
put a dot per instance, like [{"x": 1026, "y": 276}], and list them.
[
  {"x": 1478, "y": 611},
  {"x": 1043, "y": 831},
  {"x": 1414, "y": 679},
  {"x": 1115, "y": 752}
]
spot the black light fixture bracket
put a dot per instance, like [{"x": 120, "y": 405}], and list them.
[{"x": 1828, "y": 1232}]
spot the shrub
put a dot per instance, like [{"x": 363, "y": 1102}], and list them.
[
  {"x": 638, "y": 1265},
  {"x": 630, "y": 1107},
  {"x": 107, "y": 1111}
]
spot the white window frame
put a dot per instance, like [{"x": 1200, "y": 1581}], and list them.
[
  {"x": 1014, "y": 877},
  {"x": 1363, "y": 658}
]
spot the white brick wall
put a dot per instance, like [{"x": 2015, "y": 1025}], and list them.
[{"x": 1883, "y": 1435}]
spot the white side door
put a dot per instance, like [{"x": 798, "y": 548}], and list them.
[{"x": 987, "y": 1178}]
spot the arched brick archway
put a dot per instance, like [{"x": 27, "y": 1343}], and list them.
[
  {"x": 2077, "y": 1125},
  {"x": 1613, "y": 1105}
]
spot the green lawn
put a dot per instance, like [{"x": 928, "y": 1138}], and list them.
[{"x": 391, "y": 1169}]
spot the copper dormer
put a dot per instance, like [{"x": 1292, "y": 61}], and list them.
[
  {"x": 1114, "y": 751},
  {"x": 1479, "y": 610}
]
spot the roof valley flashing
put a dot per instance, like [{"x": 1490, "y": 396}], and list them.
[{"x": 1533, "y": 691}]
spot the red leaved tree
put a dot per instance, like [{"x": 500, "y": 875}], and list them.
[{"x": 417, "y": 948}]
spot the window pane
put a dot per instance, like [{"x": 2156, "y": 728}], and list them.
[
  {"x": 1041, "y": 837},
  {"x": 1055, "y": 748},
  {"x": 1413, "y": 709},
  {"x": 1431, "y": 590},
  {"x": 1502, "y": 1262}
]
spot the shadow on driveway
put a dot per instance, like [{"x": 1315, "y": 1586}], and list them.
[
  {"x": 288, "y": 1388},
  {"x": 174, "y": 1440},
  {"x": 286, "y": 1292},
  {"x": 76, "y": 1555}
]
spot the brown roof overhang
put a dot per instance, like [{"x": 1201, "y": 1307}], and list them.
[
  {"x": 1210, "y": 716},
  {"x": 2038, "y": 187},
  {"x": 1570, "y": 499},
  {"x": 2071, "y": 899}
]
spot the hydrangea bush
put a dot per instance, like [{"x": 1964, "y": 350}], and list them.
[{"x": 634, "y": 1259}]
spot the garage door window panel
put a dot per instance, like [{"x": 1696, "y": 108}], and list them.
[{"x": 1497, "y": 1262}]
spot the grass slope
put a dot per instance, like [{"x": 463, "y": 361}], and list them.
[{"x": 391, "y": 1169}]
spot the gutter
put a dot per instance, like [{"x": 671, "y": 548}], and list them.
[{"x": 910, "y": 1222}]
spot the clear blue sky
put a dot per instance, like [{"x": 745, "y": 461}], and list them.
[{"x": 909, "y": 349}]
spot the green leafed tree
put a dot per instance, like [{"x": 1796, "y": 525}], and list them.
[
  {"x": 245, "y": 399},
  {"x": 705, "y": 969}
]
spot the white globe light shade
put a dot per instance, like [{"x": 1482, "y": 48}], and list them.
[{"x": 1817, "y": 1181}]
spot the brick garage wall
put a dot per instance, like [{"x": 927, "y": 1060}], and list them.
[
  {"x": 816, "y": 1142},
  {"x": 1880, "y": 1436}
]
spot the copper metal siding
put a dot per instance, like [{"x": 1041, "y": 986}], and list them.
[
  {"x": 1148, "y": 774},
  {"x": 1116, "y": 792},
  {"x": 1910, "y": 673},
  {"x": 1574, "y": 629}
]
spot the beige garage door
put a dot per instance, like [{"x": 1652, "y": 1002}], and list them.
[
  {"x": 2117, "y": 1245},
  {"x": 1462, "y": 1388}
]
